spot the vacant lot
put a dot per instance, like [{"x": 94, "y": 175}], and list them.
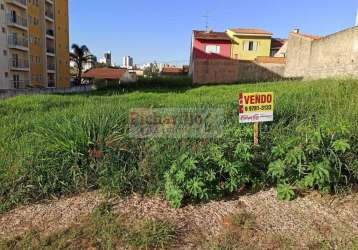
[{"x": 51, "y": 146}]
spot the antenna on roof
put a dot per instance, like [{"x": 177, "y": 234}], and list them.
[{"x": 206, "y": 21}]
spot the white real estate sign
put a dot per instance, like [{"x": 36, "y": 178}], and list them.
[{"x": 256, "y": 107}]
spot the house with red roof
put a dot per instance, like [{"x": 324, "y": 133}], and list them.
[
  {"x": 210, "y": 45},
  {"x": 174, "y": 71},
  {"x": 109, "y": 74}
]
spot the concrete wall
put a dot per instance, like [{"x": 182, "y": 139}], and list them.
[
  {"x": 16, "y": 92},
  {"x": 232, "y": 71},
  {"x": 335, "y": 55},
  {"x": 298, "y": 55}
]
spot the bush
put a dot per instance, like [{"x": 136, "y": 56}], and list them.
[
  {"x": 322, "y": 159},
  {"x": 106, "y": 84},
  {"x": 217, "y": 170}
]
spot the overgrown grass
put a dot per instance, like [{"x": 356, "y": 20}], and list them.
[
  {"x": 58, "y": 145},
  {"x": 102, "y": 230}
]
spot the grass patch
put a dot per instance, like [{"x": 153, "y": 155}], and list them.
[
  {"x": 101, "y": 230},
  {"x": 52, "y": 146}
]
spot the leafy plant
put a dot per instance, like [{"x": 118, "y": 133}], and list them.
[{"x": 318, "y": 158}]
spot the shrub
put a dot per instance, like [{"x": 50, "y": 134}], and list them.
[
  {"x": 320, "y": 158},
  {"x": 218, "y": 169}
]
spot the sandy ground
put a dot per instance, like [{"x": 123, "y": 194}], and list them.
[{"x": 305, "y": 219}]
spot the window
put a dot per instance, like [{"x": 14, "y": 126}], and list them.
[
  {"x": 16, "y": 81},
  {"x": 212, "y": 49},
  {"x": 236, "y": 56},
  {"x": 250, "y": 46}
]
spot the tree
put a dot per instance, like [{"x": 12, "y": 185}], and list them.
[
  {"x": 80, "y": 55},
  {"x": 152, "y": 70}
]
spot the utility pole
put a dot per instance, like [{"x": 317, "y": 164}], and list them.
[{"x": 206, "y": 21}]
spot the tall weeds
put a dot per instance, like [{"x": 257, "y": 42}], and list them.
[{"x": 58, "y": 145}]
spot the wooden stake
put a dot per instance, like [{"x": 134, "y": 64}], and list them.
[{"x": 256, "y": 133}]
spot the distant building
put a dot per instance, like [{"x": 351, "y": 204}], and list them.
[
  {"x": 127, "y": 62},
  {"x": 107, "y": 59},
  {"x": 175, "y": 71},
  {"x": 248, "y": 44},
  {"x": 34, "y": 44},
  {"x": 109, "y": 74},
  {"x": 137, "y": 72}
]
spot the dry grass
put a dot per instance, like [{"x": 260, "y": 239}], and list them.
[
  {"x": 101, "y": 230},
  {"x": 257, "y": 221}
]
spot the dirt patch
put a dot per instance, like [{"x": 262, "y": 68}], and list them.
[
  {"x": 49, "y": 217},
  {"x": 306, "y": 220}
]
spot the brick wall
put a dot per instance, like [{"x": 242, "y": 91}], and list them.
[{"x": 232, "y": 71}]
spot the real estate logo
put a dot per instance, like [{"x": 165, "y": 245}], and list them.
[
  {"x": 256, "y": 107},
  {"x": 176, "y": 122}
]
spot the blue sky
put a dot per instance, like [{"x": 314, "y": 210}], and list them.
[{"x": 160, "y": 30}]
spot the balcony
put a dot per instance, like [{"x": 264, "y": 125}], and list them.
[
  {"x": 19, "y": 64},
  {"x": 49, "y": 15},
  {"x": 17, "y": 21},
  {"x": 50, "y": 33},
  {"x": 51, "y": 67},
  {"x": 50, "y": 51},
  {"x": 19, "y": 3},
  {"x": 14, "y": 42}
]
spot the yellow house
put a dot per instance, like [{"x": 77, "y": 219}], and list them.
[{"x": 248, "y": 44}]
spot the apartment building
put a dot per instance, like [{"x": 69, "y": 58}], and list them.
[{"x": 34, "y": 44}]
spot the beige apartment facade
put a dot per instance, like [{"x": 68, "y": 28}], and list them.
[{"x": 34, "y": 44}]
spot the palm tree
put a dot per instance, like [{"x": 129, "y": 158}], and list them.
[{"x": 80, "y": 55}]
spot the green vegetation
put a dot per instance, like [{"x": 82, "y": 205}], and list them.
[
  {"x": 102, "y": 230},
  {"x": 58, "y": 145},
  {"x": 147, "y": 83}
]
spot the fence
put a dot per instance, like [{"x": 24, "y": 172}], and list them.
[{"x": 16, "y": 92}]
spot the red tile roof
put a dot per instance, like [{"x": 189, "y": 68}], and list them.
[
  {"x": 210, "y": 35},
  {"x": 252, "y": 31},
  {"x": 277, "y": 42},
  {"x": 105, "y": 73},
  {"x": 173, "y": 71}
]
